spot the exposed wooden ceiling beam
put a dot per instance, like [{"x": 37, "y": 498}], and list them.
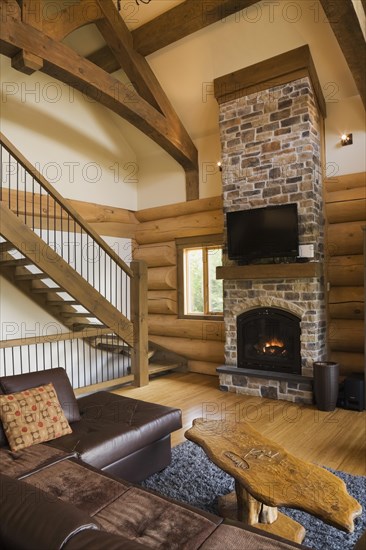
[
  {"x": 186, "y": 18},
  {"x": 183, "y": 20},
  {"x": 346, "y": 27},
  {"x": 119, "y": 39},
  {"x": 63, "y": 63}
]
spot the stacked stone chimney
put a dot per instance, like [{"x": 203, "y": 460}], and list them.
[{"x": 271, "y": 148}]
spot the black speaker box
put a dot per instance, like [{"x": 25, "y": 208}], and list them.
[{"x": 352, "y": 393}]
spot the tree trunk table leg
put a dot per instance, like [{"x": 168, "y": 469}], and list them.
[
  {"x": 241, "y": 506},
  {"x": 250, "y": 510}
]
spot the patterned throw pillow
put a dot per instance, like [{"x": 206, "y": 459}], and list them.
[{"x": 32, "y": 416}]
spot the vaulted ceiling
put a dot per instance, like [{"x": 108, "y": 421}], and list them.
[{"x": 188, "y": 43}]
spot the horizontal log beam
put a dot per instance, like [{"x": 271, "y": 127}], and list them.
[
  {"x": 346, "y": 302},
  {"x": 346, "y": 270},
  {"x": 348, "y": 181},
  {"x": 345, "y": 238},
  {"x": 163, "y": 325},
  {"x": 347, "y": 211},
  {"x": 162, "y": 302},
  {"x": 203, "y": 367},
  {"x": 179, "y": 209},
  {"x": 346, "y": 335},
  {"x": 191, "y": 225},
  {"x": 162, "y": 278},
  {"x": 157, "y": 255},
  {"x": 196, "y": 350},
  {"x": 348, "y": 362}
]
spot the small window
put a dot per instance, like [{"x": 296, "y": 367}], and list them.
[{"x": 200, "y": 293}]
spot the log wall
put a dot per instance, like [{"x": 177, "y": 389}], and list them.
[
  {"x": 345, "y": 209},
  {"x": 200, "y": 341}
]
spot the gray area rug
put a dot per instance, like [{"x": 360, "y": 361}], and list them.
[{"x": 192, "y": 478}]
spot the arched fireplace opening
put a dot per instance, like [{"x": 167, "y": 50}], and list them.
[{"x": 268, "y": 339}]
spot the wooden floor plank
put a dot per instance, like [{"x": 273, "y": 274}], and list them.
[{"x": 334, "y": 439}]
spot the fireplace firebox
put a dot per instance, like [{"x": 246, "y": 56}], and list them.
[{"x": 269, "y": 339}]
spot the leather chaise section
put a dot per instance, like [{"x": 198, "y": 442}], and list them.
[{"x": 113, "y": 427}]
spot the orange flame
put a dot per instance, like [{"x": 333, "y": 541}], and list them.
[{"x": 274, "y": 343}]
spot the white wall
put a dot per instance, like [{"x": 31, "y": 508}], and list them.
[
  {"x": 346, "y": 116},
  {"x": 76, "y": 143}
]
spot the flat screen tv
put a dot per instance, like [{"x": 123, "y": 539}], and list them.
[{"x": 263, "y": 233}]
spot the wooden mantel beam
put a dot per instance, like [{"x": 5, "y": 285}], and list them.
[
  {"x": 182, "y": 20},
  {"x": 343, "y": 19},
  {"x": 62, "y": 63}
]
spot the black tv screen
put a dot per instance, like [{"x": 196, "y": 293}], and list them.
[{"x": 258, "y": 233}]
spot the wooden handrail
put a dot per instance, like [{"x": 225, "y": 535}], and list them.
[
  {"x": 50, "y": 338},
  {"x": 63, "y": 203}
]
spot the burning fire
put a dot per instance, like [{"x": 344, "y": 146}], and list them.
[{"x": 274, "y": 346}]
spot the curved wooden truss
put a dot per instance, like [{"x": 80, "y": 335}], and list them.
[{"x": 34, "y": 43}]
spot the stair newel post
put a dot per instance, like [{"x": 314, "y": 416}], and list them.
[{"x": 140, "y": 367}]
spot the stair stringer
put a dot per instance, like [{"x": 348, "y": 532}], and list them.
[{"x": 48, "y": 261}]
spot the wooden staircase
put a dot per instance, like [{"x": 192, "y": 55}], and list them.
[
  {"x": 70, "y": 312},
  {"x": 103, "y": 303},
  {"x": 160, "y": 359}
]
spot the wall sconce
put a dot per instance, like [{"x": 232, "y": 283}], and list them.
[
  {"x": 346, "y": 139},
  {"x": 219, "y": 165}
]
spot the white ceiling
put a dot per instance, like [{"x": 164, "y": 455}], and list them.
[{"x": 187, "y": 68}]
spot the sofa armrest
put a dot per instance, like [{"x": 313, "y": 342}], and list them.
[{"x": 32, "y": 518}]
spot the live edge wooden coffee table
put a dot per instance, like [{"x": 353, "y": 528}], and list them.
[{"x": 267, "y": 476}]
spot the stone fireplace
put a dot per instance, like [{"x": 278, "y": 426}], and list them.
[
  {"x": 269, "y": 339},
  {"x": 275, "y": 315}
]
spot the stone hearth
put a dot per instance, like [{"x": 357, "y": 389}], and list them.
[{"x": 271, "y": 155}]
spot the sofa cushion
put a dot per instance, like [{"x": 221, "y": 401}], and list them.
[
  {"x": 32, "y": 416},
  {"x": 30, "y": 460},
  {"x": 155, "y": 521},
  {"x": 112, "y": 427},
  {"x": 231, "y": 537},
  {"x": 58, "y": 377},
  {"x": 30, "y": 519}
]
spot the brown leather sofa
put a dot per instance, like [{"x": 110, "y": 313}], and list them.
[
  {"x": 60, "y": 495},
  {"x": 119, "y": 435},
  {"x": 50, "y": 500}
]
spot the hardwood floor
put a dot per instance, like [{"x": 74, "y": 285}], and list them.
[{"x": 335, "y": 439}]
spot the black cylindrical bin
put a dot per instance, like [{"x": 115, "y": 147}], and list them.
[{"x": 326, "y": 382}]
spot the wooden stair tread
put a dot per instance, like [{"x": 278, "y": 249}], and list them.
[
  {"x": 62, "y": 302},
  {"x": 48, "y": 289},
  {"x": 86, "y": 314},
  {"x": 81, "y": 326},
  {"x": 155, "y": 368},
  {"x": 30, "y": 276},
  {"x": 5, "y": 246},
  {"x": 15, "y": 262}
]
